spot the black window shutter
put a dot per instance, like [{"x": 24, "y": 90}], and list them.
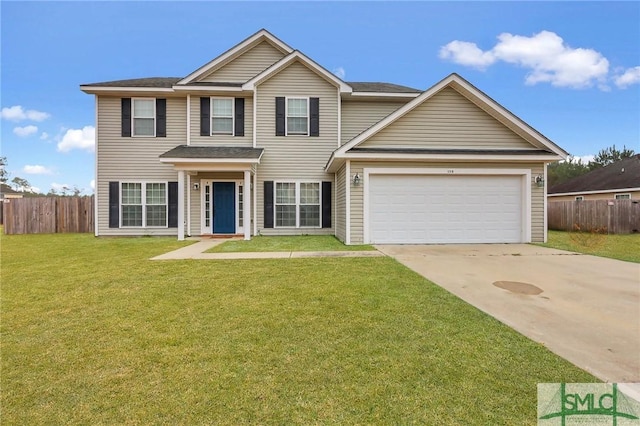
[
  {"x": 268, "y": 204},
  {"x": 314, "y": 116},
  {"x": 161, "y": 118},
  {"x": 239, "y": 126},
  {"x": 126, "y": 117},
  {"x": 114, "y": 204},
  {"x": 280, "y": 107},
  {"x": 205, "y": 119},
  {"x": 326, "y": 204},
  {"x": 173, "y": 205}
]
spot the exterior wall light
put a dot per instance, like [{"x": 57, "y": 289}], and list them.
[
  {"x": 196, "y": 186},
  {"x": 539, "y": 181},
  {"x": 356, "y": 180}
]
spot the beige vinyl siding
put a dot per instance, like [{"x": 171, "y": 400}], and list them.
[
  {"x": 196, "y": 196},
  {"x": 133, "y": 158},
  {"x": 295, "y": 158},
  {"x": 635, "y": 195},
  {"x": 537, "y": 193},
  {"x": 247, "y": 65},
  {"x": 447, "y": 120},
  {"x": 358, "y": 116},
  {"x": 339, "y": 221},
  {"x": 221, "y": 140}
]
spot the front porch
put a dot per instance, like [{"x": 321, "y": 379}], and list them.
[{"x": 216, "y": 189}]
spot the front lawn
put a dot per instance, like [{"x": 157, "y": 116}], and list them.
[
  {"x": 621, "y": 247},
  {"x": 95, "y": 333},
  {"x": 286, "y": 243}
]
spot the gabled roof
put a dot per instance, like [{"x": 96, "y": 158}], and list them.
[
  {"x": 6, "y": 189},
  {"x": 237, "y": 50},
  {"x": 623, "y": 174},
  {"x": 296, "y": 55},
  {"x": 474, "y": 95}
]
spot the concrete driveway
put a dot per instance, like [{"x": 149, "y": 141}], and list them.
[{"x": 584, "y": 308}]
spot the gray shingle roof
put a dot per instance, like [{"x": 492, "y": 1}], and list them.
[
  {"x": 168, "y": 82},
  {"x": 619, "y": 175},
  {"x": 163, "y": 82},
  {"x": 378, "y": 87},
  {"x": 217, "y": 152}
]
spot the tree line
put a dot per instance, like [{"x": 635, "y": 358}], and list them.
[
  {"x": 22, "y": 185},
  {"x": 562, "y": 171}
]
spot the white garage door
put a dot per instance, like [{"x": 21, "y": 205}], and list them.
[{"x": 417, "y": 209}]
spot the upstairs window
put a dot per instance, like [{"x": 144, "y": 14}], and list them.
[
  {"x": 297, "y": 116},
  {"x": 222, "y": 116},
  {"x": 144, "y": 117}
]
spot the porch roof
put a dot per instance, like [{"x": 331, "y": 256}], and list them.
[{"x": 213, "y": 154}]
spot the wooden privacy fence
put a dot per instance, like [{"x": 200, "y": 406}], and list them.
[
  {"x": 48, "y": 215},
  {"x": 609, "y": 216}
]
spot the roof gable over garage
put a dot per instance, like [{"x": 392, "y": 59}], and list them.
[{"x": 451, "y": 118}]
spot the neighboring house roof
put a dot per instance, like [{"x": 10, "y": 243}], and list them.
[
  {"x": 623, "y": 174},
  {"x": 212, "y": 153},
  {"x": 547, "y": 150},
  {"x": 7, "y": 190}
]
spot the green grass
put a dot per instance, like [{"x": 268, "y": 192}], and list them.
[
  {"x": 621, "y": 247},
  {"x": 287, "y": 243},
  {"x": 95, "y": 333}
]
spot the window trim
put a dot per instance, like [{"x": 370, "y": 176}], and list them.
[
  {"x": 297, "y": 204},
  {"x": 143, "y": 199},
  {"x": 286, "y": 116},
  {"x": 626, "y": 194},
  {"x": 133, "y": 118},
  {"x": 233, "y": 116}
]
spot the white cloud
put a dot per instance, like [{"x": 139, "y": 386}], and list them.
[
  {"x": 25, "y": 131},
  {"x": 17, "y": 113},
  {"x": 92, "y": 184},
  {"x": 340, "y": 73},
  {"x": 59, "y": 187},
  {"x": 629, "y": 77},
  {"x": 465, "y": 53},
  {"x": 546, "y": 55},
  {"x": 84, "y": 138},
  {"x": 44, "y": 136},
  {"x": 36, "y": 170}
]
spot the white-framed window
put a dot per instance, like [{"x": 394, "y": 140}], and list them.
[
  {"x": 579, "y": 198},
  {"x": 222, "y": 116},
  {"x": 297, "y": 204},
  {"x": 143, "y": 117},
  {"x": 297, "y": 116},
  {"x": 143, "y": 204},
  {"x": 623, "y": 196}
]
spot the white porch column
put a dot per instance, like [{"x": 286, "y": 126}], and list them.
[
  {"x": 180, "y": 205},
  {"x": 246, "y": 199}
]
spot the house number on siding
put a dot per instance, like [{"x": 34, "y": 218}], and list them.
[{"x": 450, "y": 171}]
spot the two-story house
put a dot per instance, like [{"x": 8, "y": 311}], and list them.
[{"x": 263, "y": 140}]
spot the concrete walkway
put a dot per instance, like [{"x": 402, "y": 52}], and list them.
[{"x": 196, "y": 251}]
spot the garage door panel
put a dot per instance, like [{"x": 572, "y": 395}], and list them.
[{"x": 445, "y": 209}]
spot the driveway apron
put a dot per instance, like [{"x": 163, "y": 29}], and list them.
[{"x": 584, "y": 308}]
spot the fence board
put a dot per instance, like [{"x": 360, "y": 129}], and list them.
[
  {"x": 48, "y": 215},
  {"x": 610, "y": 216}
]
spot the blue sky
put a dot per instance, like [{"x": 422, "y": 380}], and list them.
[{"x": 570, "y": 69}]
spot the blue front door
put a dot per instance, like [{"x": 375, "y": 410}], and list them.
[{"x": 224, "y": 208}]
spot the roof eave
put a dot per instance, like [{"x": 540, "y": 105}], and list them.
[{"x": 94, "y": 90}]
